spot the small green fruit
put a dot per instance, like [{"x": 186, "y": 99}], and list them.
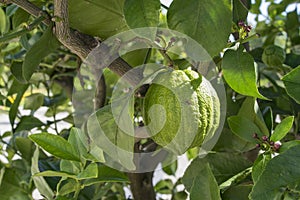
[{"x": 181, "y": 108}]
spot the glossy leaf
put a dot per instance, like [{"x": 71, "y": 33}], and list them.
[
  {"x": 44, "y": 46},
  {"x": 284, "y": 170},
  {"x": 106, "y": 174},
  {"x": 105, "y": 133},
  {"x": 40, "y": 182},
  {"x": 55, "y": 145},
  {"x": 207, "y": 22},
  {"x": 171, "y": 168},
  {"x": 50, "y": 173},
  {"x": 282, "y": 128},
  {"x": 244, "y": 128},
  {"x": 3, "y": 21},
  {"x": 292, "y": 84},
  {"x": 142, "y": 13},
  {"x": 223, "y": 165},
  {"x": 72, "y": 167},
  {"x": 251, "y": 111},
  {"x": 98, "y": 18},
  {"x": 239, "y": 72},
  {"x": 200, "y": 182},
  {"x": 164, "y": 186},
  {"x": 91, "y": 171},
  {"x": 259, "y": 166}
]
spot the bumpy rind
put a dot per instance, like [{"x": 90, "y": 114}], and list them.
[{"x": 191, "y": 110}]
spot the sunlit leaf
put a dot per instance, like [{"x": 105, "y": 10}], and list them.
[
  {"x": 55, "y": 145},
  {"x": 207, "y": 22},
  {"x": 239, "y": 72}
]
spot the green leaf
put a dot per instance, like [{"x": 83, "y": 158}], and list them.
[
  {"x": 239, "y": 192},
  {"x": 239, "y": 72},
  {"x": 34, "y": 101},
  {"x": 268, "y": 117},
  {"x": 14, "y": 108},
  {"x": 16, "y": 70},
  {"x": 208, "y": 22},
  {"x": 251, "y": 111},
  {"x": 106, "y": 174},
  {"x": 164, "y": 186},
  {"x": 287, "y": 145},
  {"x": 282, "y": 129},
  {"x": 224, "y": 165},
  {"x": 3, "y": 21},
  {"x": 71, "y": 185},
  {"x": 200, "y": 182},
  {"x": 37, "y": 52},
  {"x": 285, "y": 173},
  {"x": 80, "y": 141},
  {"x": 180, "y": 196},
  {"x": 26, "y": 148},
  {"x": 240, "y": 10},
  {"x": 142, "y": 13},
  {"x": 244, "y": 128},
  {"x": 40, "y": 182},
  {"x": 102, "y": 18},
  {"x": 28, "y": 123},
  {"x": 19, "y": 17},
  {"x": 105, "y": 134},
  {"x": 72, "y": 167},
  {"x": 292, "y": 84},
  {"x": 50, "y": 173},
  {"x": 171, "y": 168},
  {"x": 292, "y": 26},
  {"x": 55, "y": 145},
  {"x": 91, "y": 171},
  {"x": 259, "y": 166},
  {"x": 11, "y": 187}
]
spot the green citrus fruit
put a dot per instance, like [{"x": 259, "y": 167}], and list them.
[
  {"x": 273, "y": 56},
  {"x": 181, "y": 108}
]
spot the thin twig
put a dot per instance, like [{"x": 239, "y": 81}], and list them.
[{"x": 30, "y": 8}]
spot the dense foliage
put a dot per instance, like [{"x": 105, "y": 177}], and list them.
[{"x": 257, "y": 154}]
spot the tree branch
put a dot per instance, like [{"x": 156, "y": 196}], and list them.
[
  {"x": 30, "y": 8},
  {"x": 82, "y": 44}
]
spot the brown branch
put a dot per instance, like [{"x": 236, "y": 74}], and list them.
[{"x": 30, "y": 8}]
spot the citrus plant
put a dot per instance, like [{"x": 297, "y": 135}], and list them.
[{"x": 99, "y": 98}]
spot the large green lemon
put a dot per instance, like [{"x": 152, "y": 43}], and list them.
[{"x": 181, "y": 108}]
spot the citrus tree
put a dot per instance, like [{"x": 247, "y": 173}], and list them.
[{"x": 103, "y": 97}]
